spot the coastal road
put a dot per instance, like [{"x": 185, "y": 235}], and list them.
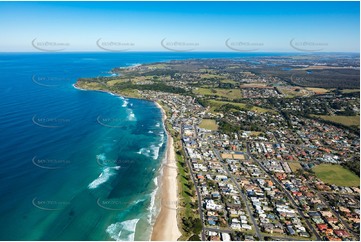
[
  {"x": 244, "y": 198},
  {"x": 200, "y": 209},
  {"x": 275, "y": 181},
  {"x": 219, "y": 230}
]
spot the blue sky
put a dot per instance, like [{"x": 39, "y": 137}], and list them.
[{"x": 196, "y": 26}]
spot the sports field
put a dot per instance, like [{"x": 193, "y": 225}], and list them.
[
  {"x": 215, "y": 104},
  {"x": 336, "y": 174},
  {"x": 208, "y": 124},
  {"x": 345, "y": 120},
  {"x": 230, "y": 94}
]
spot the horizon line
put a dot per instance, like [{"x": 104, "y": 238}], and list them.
[{"x": 180, "y": 52}]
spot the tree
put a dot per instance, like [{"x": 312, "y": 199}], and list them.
[
  {"x": 197, "y": 226},
  {"x": 187, "y": 224},
  {"x": 194, "y": 238}
]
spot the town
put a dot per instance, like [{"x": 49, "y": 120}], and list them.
[
  {"x": 254, "y": 187},
  {"x": 258, "y": 159}
]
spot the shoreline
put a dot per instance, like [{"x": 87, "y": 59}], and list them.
[
  {"x": 94, "y": 90},
  {"x": 166, "y": 224},
  {"x": 165, "y": 227}
]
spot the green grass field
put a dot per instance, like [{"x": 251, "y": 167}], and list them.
[
  {"x": 159, "y": 65},
  {"x": 295, "y": 166},
  {"x": 255, "y": 133},
  {"x": 291, "y": 92},
  {"x": 345, "y": 120},
  {"x": 350, "y": 90},
  {"x": 228, "y": 81},
  {"x": 220, "y": 92},
  {"x": 216, "y": 104},
  {"x": 208, "y": 76},
  {"x": 208, "y": 124},
  {"x": 318, "y": 90},
  {"x": 117, "y": 81},
  {"x": 253, "y": 85},
  {"x": 336, "y": 174}
]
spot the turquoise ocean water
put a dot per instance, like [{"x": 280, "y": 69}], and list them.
[{"x": 77, "y": 165}]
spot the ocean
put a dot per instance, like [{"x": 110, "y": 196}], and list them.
[{"x": 74, "y": 164}]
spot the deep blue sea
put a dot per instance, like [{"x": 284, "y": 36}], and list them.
[{"x": 77, "y": 165}]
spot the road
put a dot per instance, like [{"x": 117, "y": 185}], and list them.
[
  {"x": 244, "y": 198},
  {"x": 276, "y": 137},
  {"x": 275, "y": 181},
  {"x": 200, "y": 208},
  {"x": 335, "y": 213},
  {"x": 197, "y": 191},
  {"x": 220, "y": 230},
  {"x": 287, "y": 144}
]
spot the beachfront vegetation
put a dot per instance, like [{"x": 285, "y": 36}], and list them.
[
  {"x": 189, "y": 221},
  {"x": 194, "y": 238}
]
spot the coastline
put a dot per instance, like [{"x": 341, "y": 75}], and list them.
[
  {"x": 165, "y": 227},
  {"x": 166, "y": 224},
  {"x": 95, "y": 90}
]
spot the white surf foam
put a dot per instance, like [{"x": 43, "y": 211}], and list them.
[
  {"x": 155, "y": 151},
  {"x": 133, "y": 64},
  {"x": 101, "y": 157},
  {"x": 144, "y": 151},
  {"x": 103, "y": 177},
  {"x": 131, "y": 115},
  {"x": 79, "y": 88},
  {"x": 152, "y": 208},
  {"x": 125, "y": 103},
  {"x": 138, "y": 201},
  {"x": 161, "y": 139},
  {"x": 121, "y": 231},
  {"x": 152, "y": 151}
]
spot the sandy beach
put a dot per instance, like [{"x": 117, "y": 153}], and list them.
[{"x": 166, "y": 226}]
